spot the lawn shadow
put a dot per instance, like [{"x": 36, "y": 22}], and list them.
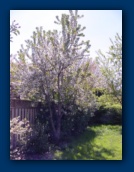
[{"x": 82, "y": 148}]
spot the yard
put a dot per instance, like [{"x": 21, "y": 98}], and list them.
[
  {"x": 103, "y": 142},
  {"x": 65, "y": 104},
  {"x": 100, "y": 142}
]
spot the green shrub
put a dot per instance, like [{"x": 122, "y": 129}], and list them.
[
  {"x": 39, "y": 141},
  {"x": 114, "y": 108},
  {"x": 23, "y": 129},
  {"x": 33, "y": 139},
  {"x": 109, "y": 112},
  {"x": 107, "y": 115},
  {"x": 75, "y": 121}
]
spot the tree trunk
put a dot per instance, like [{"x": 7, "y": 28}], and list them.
[
  {"x": 56, "y": 129},
  {"x": 57, "y": 136},
  {"x": 57, "y": 133}
]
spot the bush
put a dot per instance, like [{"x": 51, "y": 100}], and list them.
[
  {"x": 39, "y": 141},
  {"x": 23, "y": 129},
  {"x": 32, "y": 139},
  {"x": 74, "y": 122},
  {"x": 108, "y": 115},
  {"x": 109, "y": 112}
]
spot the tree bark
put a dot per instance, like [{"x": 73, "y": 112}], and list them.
[{"x": 57, "y": 134}]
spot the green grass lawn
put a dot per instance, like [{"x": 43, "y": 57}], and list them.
[{"x": 102, "y": 142}]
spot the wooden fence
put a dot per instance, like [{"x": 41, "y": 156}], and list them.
[
  {"x": 24, "y": 109},
  {"x": 28, "y": 113}
]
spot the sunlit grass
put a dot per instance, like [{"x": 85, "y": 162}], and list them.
[{"x": 102, "y": 142}]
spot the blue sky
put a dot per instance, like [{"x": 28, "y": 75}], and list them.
[{"x": 101, "y": 25}]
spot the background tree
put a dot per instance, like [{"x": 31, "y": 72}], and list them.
[
  {"x": 111, "y": 67},
  {"x": 50, "y": 69},
  {"x": 14, "y": 29}
]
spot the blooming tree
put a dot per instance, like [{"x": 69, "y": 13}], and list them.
[{"x": 50, "y": 68}]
